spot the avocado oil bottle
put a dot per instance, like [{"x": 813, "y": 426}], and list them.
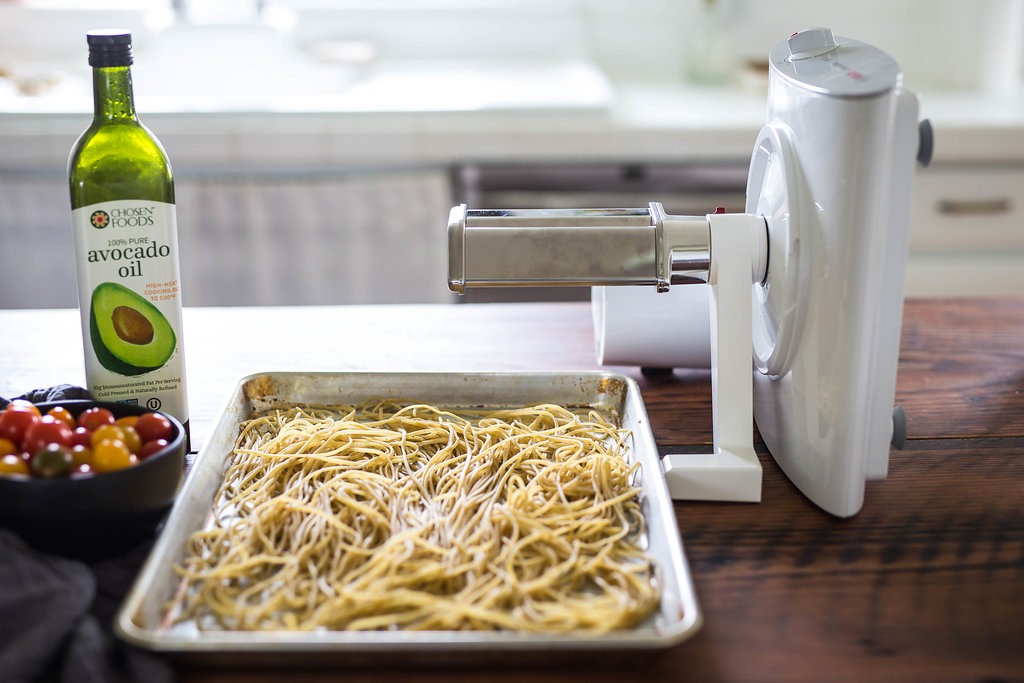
[{"x": 126, "y": 244}]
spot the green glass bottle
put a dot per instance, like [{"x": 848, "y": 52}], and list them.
[{"x": 126, "y": 244}]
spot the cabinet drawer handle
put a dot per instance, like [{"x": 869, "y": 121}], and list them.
[{"x": 974, "y": 207}]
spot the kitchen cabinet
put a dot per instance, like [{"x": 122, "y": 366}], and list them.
[
  {"x": 967, "y": 230},
  {"x": 970, "y": 209}
]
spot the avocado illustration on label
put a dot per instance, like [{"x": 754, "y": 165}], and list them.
[{"x": 129, "y": 334}]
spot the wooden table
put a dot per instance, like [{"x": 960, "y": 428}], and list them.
[{"x": 926, "y": 583}]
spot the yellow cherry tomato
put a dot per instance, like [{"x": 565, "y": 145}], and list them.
[
  {"x": 127, "y": 421},
  {"x": 81, "y": 455},
  {"x": 132, "y": 439},
  {"x": 111, "y": 455},
  {"x": 64, "y": 415},
  {"x": 13, "y": 465},
  {"x": 109, "y": 432},
  {"x": 7, "y": 447}
]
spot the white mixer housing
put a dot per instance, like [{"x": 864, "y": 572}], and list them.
[{"x": 831, "y": 172}]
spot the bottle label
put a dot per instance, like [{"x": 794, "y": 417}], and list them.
[{"x": 129, "y": 293}]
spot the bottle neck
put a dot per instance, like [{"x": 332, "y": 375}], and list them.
[{"x": 112, "y": 93}]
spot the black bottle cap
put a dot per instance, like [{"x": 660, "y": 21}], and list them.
[{"x": 109, "y": 47}]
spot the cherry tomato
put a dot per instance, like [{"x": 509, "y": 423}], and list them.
[
  {"x": 14, "y": 465},
  {"x": 7, "y": 447},
  {"x": 64, "y": 415},
  {"x": 81, "y": 437},
  {"x": 110, "y": 432},
  {"x": 153, "y": 426},
  {"x": 46, "y": 430},
  {"x": 27, "y": 405},
  {"x": 151, "y": 447},
  {"x": 81, "y": 455},
  {"x": 83, "y": 470},
  {"x": 92, "y": 418},
  {"x": 132, "y": 439},
  {"x": 15, "y": 421},
  {"x": 52, "y": 461},
  {"x": 110, "y": 456},
  {"x": 127, "y": 421}
]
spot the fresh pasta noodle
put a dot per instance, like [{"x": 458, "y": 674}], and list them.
[{"x": 393, "y": 516}]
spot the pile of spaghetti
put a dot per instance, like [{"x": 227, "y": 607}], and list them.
[{"x": 394, "y": 516}]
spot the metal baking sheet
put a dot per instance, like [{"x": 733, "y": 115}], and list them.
[{"x": 140, "y": 619}]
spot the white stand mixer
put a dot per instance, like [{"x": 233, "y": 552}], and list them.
[{"x": 808, "y": 281}]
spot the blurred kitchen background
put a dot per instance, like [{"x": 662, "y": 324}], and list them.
[{"x": 319, "y": 144}]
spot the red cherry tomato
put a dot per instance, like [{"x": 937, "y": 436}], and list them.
[
  {"x": 27, "y": 405},
  {"x": 153, "y": 426},
  {"x": 151, "y": 447},
  {"x": 95, "y": 417},
  {"x": 81, "y": 437},
  {"x": 46, "y": 431},
  {"x": 15, "y": 421}
]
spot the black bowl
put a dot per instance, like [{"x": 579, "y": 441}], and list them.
[{"x": 101, "y": 514}]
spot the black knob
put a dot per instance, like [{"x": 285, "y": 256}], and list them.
[
  {"x": 899, "y": 428},
  {"x": 926, "y": 142}
]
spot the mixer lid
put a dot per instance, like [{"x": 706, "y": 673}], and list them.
[{"x": 830, "y": 65}]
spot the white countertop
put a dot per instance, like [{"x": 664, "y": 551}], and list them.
[{"x": 632, "y": 122}]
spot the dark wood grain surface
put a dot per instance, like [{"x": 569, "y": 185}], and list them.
[{"x": 926, "y": 583}]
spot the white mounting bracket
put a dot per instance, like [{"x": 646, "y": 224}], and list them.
[{"x": 732, "y": 472}]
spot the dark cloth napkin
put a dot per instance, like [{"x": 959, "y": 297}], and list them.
[
  {"x": 56, "y": 617},
  {"x": 60, "y": 392}
]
